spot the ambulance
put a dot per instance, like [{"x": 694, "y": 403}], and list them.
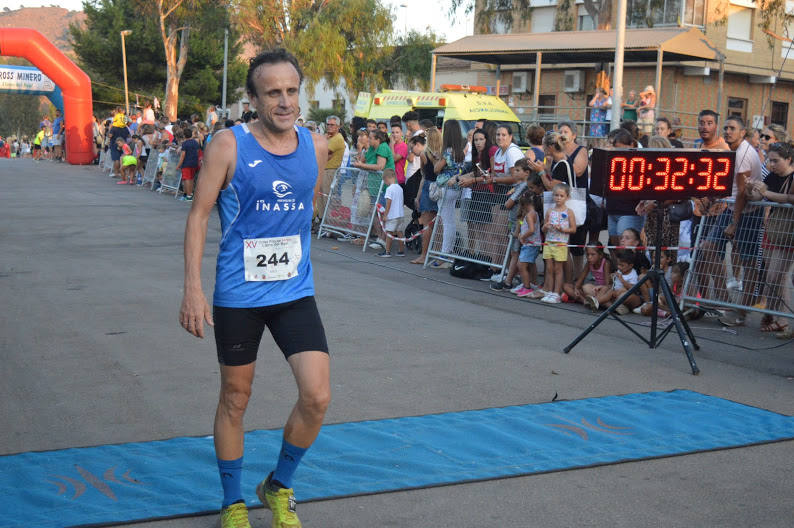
[{"x": 464, "y": 103}]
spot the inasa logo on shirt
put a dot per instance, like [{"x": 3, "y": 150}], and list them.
[{"x": 281, "y": 188}]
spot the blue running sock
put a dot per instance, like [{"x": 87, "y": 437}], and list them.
[
  {"x": 231, "y": 474},
  {"x": 288, "y": 461}
]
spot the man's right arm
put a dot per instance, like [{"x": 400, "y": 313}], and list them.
[{"x": 218, "y": 164}]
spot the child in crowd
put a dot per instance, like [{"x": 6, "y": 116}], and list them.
[
  {"x": 600, "y": 269},
  {"x": 622, "y": 280},
  {"x": 137, "y": 151},
  {"x": 522, "y": 171},
  {"x": 529, "y": 238},
  {"x": 559, "y": 224},
  {"x": 129, "y": 163},
  {"x": 189, "y": 161},
  {"x": 393, "y": 213},
  {"x": 676, "y": 271}
]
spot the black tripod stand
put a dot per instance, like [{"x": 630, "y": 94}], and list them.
[{"x": 658, "y": 285}]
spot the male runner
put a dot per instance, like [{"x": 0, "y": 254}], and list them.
[{"x": 265, "y": 176}]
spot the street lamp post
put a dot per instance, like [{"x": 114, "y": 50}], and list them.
[
  {"x": 404, "y": 7},
  {"x": 125, "y": 33}
]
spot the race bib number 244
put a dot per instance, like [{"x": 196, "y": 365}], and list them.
[{"x": 271, "y": 259}]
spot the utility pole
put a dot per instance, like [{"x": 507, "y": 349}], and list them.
[{"x": 617, "y": 84}]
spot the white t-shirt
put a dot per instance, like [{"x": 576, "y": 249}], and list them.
[
  {"x": 631, "y": 277},
  {"x": 747, "y": 160},
  {"x": 412, "y": 166},
  {"x": 504, "y": 161},
  {"x": 394, "y": 193}
]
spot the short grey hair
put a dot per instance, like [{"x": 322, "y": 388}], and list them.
[
  {"x": 335, "y": 118},
  {"x": 569, "y": 124}
]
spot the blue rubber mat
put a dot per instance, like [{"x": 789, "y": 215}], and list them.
[{"x": 128, "y": 482}]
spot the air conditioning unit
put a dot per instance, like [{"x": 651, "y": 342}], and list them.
[
  {"x": 522, "y": 82},
  {"x": 573, "y": 81}
]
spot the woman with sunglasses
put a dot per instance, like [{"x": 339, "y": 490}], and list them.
[{"x": 770, "y": 134}]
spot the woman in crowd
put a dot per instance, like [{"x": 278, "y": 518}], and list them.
[
  {"x": 478, "y": 208},
  {"x": 646, "y": 208},
  {"x": 621, "y": 213},
  {"x": 377, "y": 157},
  {"x": 779, "y": 235},
  {"x": 630, "y": 107},
  {"x": 501, "y": 178},
  {"x": 449, "y": 168},
  {"x": 427, "y": 207},
  {"x": 576, "y": 155},
  {"x": 770, "y": 134},
  {"x": 598, "y": 115},
  {"x": 647, "y": 110}
]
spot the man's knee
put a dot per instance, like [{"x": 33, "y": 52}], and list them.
[
  {"x": 234, "y": 398},
  {"x": 315, "y": 401}
]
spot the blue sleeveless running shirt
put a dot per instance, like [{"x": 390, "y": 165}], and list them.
[{"x": 269, "y": 196}]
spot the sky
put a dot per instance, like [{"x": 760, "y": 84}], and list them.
[{"x": 417, "y": 15}]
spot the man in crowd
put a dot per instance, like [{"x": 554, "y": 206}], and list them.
[
  {"x": 57, "y": 136},
  {"x": 336, "y": 150},
  {"x": 413, "y": 176},
  {"x": 736, "y": 223},
  {"x": 709, "y": 132}
]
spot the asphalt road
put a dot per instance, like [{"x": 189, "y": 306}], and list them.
[{"x": 92, "y": 353}]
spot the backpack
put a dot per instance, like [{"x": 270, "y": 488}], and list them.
[{"x": 466, "y": 269}]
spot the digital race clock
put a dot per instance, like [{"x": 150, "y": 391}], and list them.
[{"x": 661, "y": 174}]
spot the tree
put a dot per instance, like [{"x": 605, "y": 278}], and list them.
[
  {"x": 332, "y": 40},
  {"x": 494, "y": 14},
  {"x": 775, "y": 20},
  {"x": 19, "y": 114},
  {"x": 501, "y": 14},
  {"x": 410, "y": 62},
  {"x": 97, "y": 46}
]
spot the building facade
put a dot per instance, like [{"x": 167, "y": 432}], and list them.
[{"x": 758, "y": 65}]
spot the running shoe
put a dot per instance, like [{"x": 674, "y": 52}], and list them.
[
  {"x": 375, "y": 245},
  {"x": 591, "y": 302},
  {"x": 384, "y": 254},
  {"x": 523, "y": 292},
  {"x": 732, "y": 318},
  {"x": 498, "y": 286},
  {"x": 496, "y": 277},
  {"x": 347, "y": 237},
  {"x": 551, "y": 298},
  {"x": 235, "y": 516},
  {"x": 281, "y": 501},
  {"x": 515, "y": 289},
  {"x": 401, "y": 253},
  {"x": 538, "y": 294},
  {"x": 622, "y": 310}
]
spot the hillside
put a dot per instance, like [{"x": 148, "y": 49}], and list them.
[{"x": 52, "y": 22}]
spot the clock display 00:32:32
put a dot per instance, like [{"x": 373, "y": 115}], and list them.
[{"x": 663, "y": 174}]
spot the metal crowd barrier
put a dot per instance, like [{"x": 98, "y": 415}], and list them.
[
  {"x": 750, "y": 271},
  {"x": 172, "y": 176},
  {"x": 150, "y": 174},
  {"x": 471, "y": 226},
  {"x": 351, "y": 205}
]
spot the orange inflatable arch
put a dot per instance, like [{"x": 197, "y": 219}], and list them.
[{"x": 74, "y": 84}]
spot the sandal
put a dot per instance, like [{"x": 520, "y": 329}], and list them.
[
  {"x": 786, "y": 334},
  {"x": 774, "y": 326}
]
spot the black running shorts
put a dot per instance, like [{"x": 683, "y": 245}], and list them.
[{"x": 295, "y": 326}]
